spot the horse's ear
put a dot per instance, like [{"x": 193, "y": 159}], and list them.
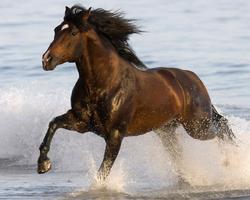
[
  {"x": 87, "y": 14},
  {"x": 67, "y": 9}
]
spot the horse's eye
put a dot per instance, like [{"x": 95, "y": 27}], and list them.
[{"x": 74, "y": 33}]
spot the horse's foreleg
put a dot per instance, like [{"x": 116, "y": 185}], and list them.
[
  {"x": 113, "y": 144},
  {"x": 66, "y": 121}
]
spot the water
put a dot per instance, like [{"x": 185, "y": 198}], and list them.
[{"x": 210, "y": 38}]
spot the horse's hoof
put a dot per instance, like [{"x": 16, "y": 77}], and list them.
[{"x": 43, "y": 166}]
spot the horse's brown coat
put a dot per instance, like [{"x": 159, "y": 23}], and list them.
[{"x": 115, "y": 99}]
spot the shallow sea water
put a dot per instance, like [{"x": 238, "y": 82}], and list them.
[{"x": 210, "y": 38}]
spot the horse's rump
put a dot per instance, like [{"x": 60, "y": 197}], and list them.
[{"x": 197, "y": 103}]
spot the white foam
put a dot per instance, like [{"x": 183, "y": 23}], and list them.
[
  {"x": 142, "y": 162},
  {"x": 208, "y": 163}
]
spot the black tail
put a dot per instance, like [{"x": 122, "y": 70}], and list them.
[{"x": 221, "y": 123}]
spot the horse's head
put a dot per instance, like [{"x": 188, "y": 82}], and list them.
[{"x": 67, "y": 43}]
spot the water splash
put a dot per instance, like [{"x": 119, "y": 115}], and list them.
[
  {"x": 142, "y": 164},
  {"x": 208, "y": 163}
]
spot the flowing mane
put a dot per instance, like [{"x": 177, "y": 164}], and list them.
[{"x": 111, "y": 25}]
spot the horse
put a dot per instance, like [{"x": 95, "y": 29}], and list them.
[{"x": 116, "y": 95}]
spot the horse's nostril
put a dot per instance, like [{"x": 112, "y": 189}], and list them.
[{"x": 48, "y": 58}]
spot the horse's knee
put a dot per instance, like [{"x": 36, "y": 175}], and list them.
[
  {"x": 114, "y": 138},
  {"x": 61, "y": 121},
  {"x": 53, "y": 124}
]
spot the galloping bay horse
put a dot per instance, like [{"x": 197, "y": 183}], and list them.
[{"x": 116, "y": 95}]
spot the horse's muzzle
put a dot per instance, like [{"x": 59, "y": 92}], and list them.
[{"x": 47, "y": 61}]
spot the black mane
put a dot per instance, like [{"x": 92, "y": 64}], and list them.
[{"x": 113, "y": 26}]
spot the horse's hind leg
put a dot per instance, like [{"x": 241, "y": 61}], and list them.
[
  {"x": 200, "y": 129},
  {"x": 220, "y": 123},
  {"x": 66, "y": 121},
  {"x": 170, "y": 141},
  {"x": 209, "y": 128}
]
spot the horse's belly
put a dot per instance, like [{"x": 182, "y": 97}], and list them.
[
  {"x": 146, "y": 124},
  {"x": 148, "y": 119}
]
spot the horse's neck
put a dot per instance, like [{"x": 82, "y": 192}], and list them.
[{"x": 99, "y": 65}]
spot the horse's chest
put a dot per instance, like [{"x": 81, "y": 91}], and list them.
[
  {"x": 106, "y": 108},
  {"x": 109, "y": 113}
]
